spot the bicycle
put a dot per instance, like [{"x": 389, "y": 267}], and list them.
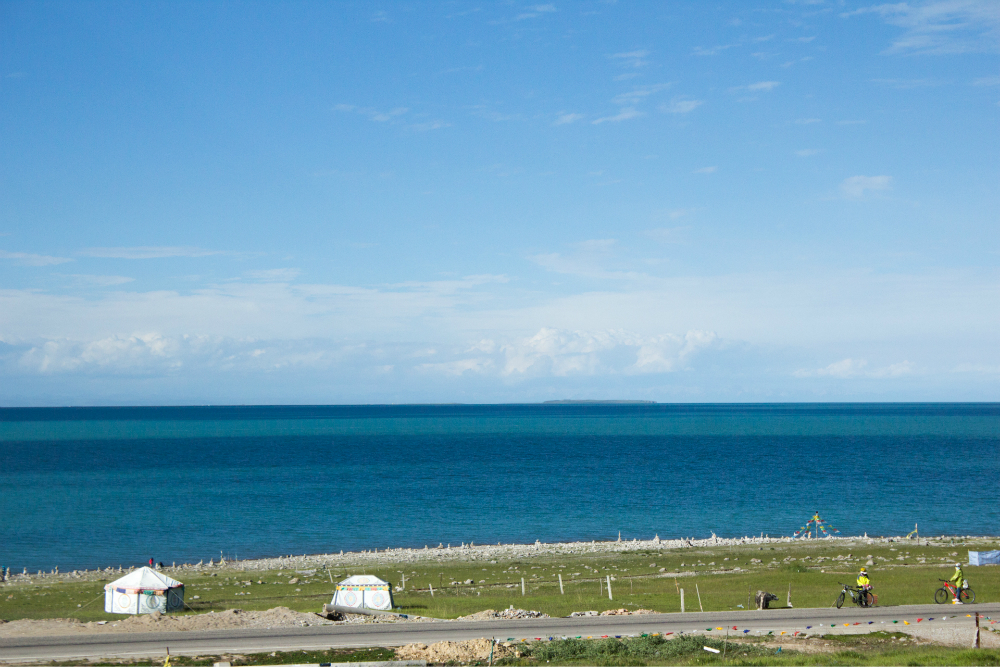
[
  {"x": 964, "y": 595},
  {"x": 858, "y": 596}
]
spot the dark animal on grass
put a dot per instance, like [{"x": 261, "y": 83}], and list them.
[{"x": 763, "y": 598}]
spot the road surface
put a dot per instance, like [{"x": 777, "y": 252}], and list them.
[{"x": 134, "y": 645}]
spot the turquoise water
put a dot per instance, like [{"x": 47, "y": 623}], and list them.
[{"x": 88, "y": 487}]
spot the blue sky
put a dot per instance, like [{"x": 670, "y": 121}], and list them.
[{"x": 498, "y": 202}]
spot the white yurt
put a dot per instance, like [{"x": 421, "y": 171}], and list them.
[
  {"x": 143, "y": 591},
  {"x": 363, "y": 591}
]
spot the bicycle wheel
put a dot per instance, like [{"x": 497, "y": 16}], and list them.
[
  {"x": 967, "y": 596},
  {"x": 942, "y": 596},
  {"x": 841, "y": 600},
  {"x": 870, "y": 599}
]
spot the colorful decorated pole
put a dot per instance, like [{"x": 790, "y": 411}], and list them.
[{"x": 817, "y": 525}]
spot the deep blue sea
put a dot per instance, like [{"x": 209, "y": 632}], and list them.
[{"x": 90, "y": 487}]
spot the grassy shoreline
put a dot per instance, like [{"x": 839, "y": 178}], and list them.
[{"x": 643, "y": 575}]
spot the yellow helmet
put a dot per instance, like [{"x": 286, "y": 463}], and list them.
[{"x": 862, "y": 571}]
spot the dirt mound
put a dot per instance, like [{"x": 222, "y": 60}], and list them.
[
  {"x": 279, "y": 617},
  {"x": 451, "y": 652},
  {"x": 506, "y": 614}
]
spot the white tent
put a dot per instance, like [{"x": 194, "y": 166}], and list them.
[
  {"x": 363, "y": 591},
  {"x": 143, "y": 591}
]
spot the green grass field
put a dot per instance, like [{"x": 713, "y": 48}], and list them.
[
  {"x": 903, "y": 573},
  {"x": 877, "y": 648}
]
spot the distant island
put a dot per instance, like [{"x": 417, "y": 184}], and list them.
[{"x": 572, "y": 402}]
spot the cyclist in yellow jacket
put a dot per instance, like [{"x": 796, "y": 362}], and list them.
[
  {"x": 863, "y": 583},
  {"x": 957, "y": 580}
]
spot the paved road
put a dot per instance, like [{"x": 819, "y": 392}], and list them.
[{"x": 70, "y": 647}]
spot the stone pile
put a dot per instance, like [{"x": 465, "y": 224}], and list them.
[{"x": 506, "y": 614}]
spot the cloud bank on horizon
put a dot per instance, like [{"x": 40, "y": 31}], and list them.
[{"x": 455, "y": 202}]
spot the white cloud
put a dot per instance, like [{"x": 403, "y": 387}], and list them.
[
  {"x": 29, "y": 259},
  {"x": 485, "y": 345},
  {"x": 559, "y": 353},
  {"x": 706, "y": 170},
  {"x": 632, "y": 58},
  {"x": 857, "y": 368},
  {"x": 383, "y": 117},
  {"x": 637, "y": 95},
  {"x": 567, "y": 118},
  {"x": 668, "y": 353},
  {"x": 275, "y": 275},
  {"x": 370, "y": 113},
  {"x": 119, "y": 353},
  {"x": 909, "y": 84},
  {"x": 100, "y": 281},
  {"x": 459, "y": 366},
  {"x": 712, "y": 51},
  {"x": 589, "y": 259},
  {"x": 488, "y": 327},
  {"x": 940, "y": 26},
  {"x": 535, "y": 11},
  {"x": 393, "y": 116},
  {"x": 762, "y": 85},
  {"x": 596, "y": 245},
  {"x": 668, "y": 234},
  {"x": 856, "y": 187},
  {"x": 147, "y": 252},
  {"x": 624, "y": 114},
  {"x": 681, "y": 106},
  {"x": 428, "y": 126},
  {"x": 548, "y": 353},
  {"x": 581, "y": 264}
]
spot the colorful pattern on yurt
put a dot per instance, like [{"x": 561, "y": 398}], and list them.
[
  {"x": 363, "y": 591},
  {"x": 143, "y": 591}
]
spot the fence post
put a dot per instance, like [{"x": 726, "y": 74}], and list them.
[
  {"x": 608, "y": 582},
  {"x": 682, "y": 600},
  {"x": 523, "y": 586},
  {"x": 700, "y": 597},
  {"x": 561, "y": 582},
  {"x": 976, "y": 638},
  {"x": 431, "y": 588}
]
